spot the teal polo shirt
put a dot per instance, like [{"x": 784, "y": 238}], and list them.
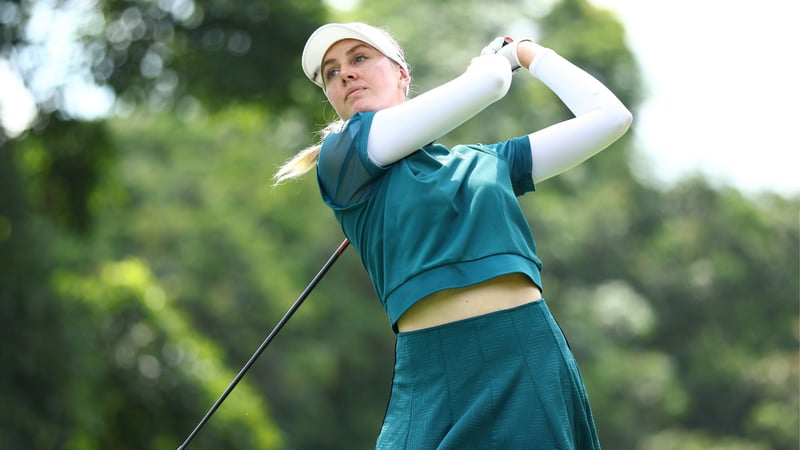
[{"x": 437, "y": 219}]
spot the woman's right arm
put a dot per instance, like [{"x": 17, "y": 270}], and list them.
[{"x": 398, "y": 131}]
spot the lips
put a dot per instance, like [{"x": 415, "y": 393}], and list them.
[{"x": 352, "y": 91}]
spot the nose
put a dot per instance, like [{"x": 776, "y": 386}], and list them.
[{"x": 348, "y": 74}]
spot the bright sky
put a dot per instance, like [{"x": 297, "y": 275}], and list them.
[
  {"x": 722, "y": 93},
  {"x": 17, "y": 108}
]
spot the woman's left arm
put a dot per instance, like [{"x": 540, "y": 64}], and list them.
[{"x": 600, "y": 118}]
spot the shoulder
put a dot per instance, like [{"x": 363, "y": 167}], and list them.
[
  {"x": 358, "y": 123},
  {"x": 347, "y": 135}
]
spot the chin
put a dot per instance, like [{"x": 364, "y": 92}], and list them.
[{"x": 366, "y": 108}]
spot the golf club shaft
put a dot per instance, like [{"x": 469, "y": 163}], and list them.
[{"x": 266, "y": 342}]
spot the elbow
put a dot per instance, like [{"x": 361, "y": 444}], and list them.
[
  {"x": 627, "y": 118},
  {"x": 620, "y": 120}
]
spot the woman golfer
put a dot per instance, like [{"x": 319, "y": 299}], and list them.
[{"x": 480, "y": 361}]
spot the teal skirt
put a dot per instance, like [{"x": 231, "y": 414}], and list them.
[{"x": 504, "y": 380}]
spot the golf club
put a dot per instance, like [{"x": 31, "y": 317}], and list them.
[{"x": 266, "y": 342}]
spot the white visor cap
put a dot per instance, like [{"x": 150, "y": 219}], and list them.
[{"x": 325, "y": 36}]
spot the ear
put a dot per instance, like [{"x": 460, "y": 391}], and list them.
[{"x": 405, "y": 78}]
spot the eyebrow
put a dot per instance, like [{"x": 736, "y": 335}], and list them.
[{"x": 349, "y": 52}]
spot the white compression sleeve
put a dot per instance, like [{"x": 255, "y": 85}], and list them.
[
  {"x": 402, "y": 129},
  {"x": 600, "y": 118}
]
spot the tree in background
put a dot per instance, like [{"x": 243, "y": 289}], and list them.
[
  {"x": 91, "y": 363},
  {"x": 144, "y": 256}
]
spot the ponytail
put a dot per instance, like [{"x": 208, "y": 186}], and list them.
[{"x": 306, "y": 159}]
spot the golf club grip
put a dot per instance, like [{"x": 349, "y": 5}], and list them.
[{"x": 269, "y": 338}]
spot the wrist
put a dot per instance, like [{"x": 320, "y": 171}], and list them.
[
  {"x": 528, "y": 51},
  {"x": 541, "y": 55}
]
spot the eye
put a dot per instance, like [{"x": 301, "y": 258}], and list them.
[
  {"x": 331, "y": 74},
  {"x": 334, "y": 71}
]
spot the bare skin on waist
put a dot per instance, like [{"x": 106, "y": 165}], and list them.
[{"x": 450, "y": 305}]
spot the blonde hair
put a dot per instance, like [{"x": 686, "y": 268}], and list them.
[{"x": 305, "y": 159}]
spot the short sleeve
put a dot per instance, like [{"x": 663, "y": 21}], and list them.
[
  {"x": 345, "y": 171},
  {"x": 517, "y": 152}
]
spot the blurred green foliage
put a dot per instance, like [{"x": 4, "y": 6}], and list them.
[{"x": 143, "y": 257}]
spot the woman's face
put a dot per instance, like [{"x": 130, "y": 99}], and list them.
[{"x": 359, "y": 78}]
